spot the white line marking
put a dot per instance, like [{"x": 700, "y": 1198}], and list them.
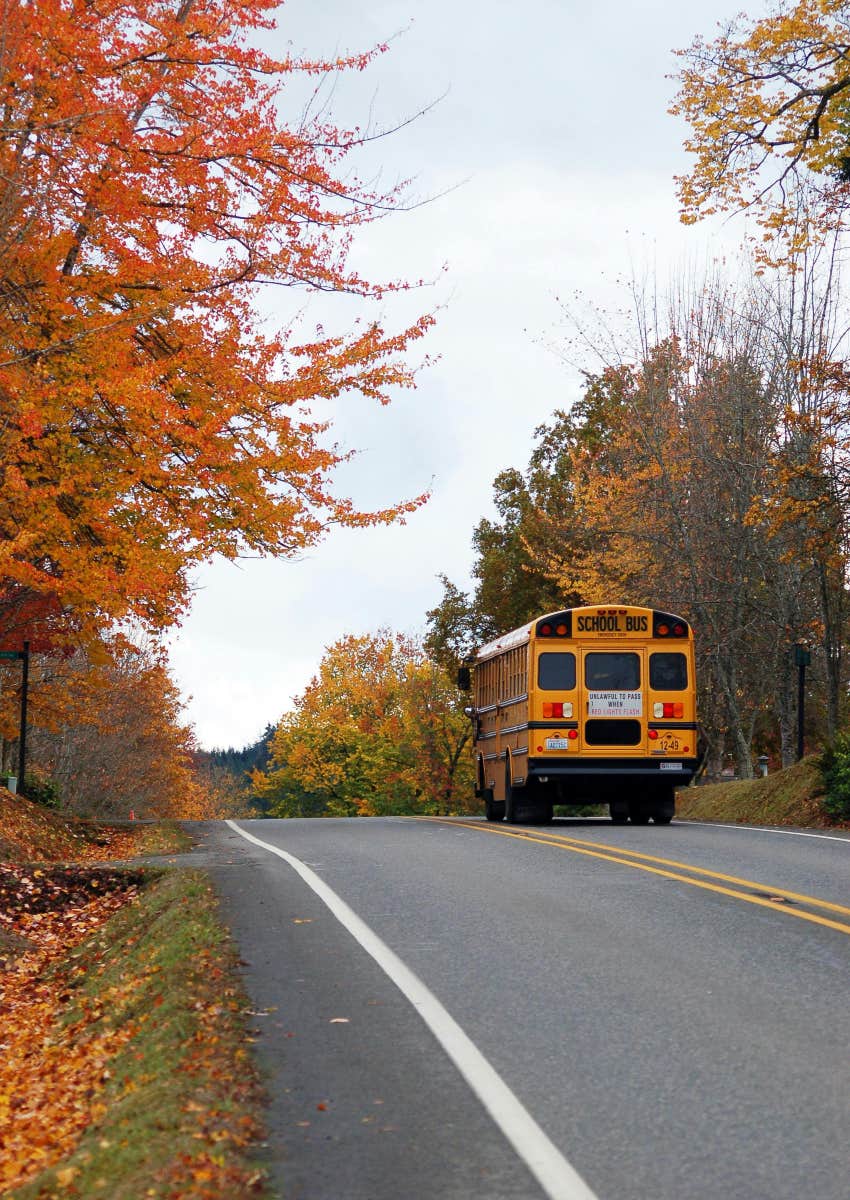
[
  {"x": 826, "y": 837},
  {"x": 559, "y": 1180}
]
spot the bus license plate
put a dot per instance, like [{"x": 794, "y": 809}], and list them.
[
  {"x": 553, "y": 743},
  {"x": 670, "y": 766}
]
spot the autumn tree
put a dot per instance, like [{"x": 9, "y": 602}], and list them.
[
  {"x": 109, "y": 737},
  {"x": 687, "y": 502},
  {"x": 380, "y": 729},
  {"x": 699, "y": 472},
  {"x": 154, "y": 181},
  {"x": 768, "y": 103}
]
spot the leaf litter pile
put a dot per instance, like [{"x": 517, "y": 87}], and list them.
[{"x": 124, "y": 1065}]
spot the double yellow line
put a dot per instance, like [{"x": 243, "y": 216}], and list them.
[{"x": 776, "y": 898}]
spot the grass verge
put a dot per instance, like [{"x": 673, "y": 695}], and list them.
[
  {"x": 150, "y": 1005},
  {"x": 790, "y": 797}
]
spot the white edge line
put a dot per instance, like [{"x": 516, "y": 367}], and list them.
[
  {"x": 826, "y": 837},
  {"x": 559, "y": 1180}
]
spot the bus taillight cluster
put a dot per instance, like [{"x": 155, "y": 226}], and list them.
[{"x": 666, "y": 625}]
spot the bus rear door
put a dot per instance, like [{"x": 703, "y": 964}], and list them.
[{"x": 612, "y": 700}]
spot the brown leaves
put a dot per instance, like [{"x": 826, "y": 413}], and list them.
[{"x": 27, "y": 831}]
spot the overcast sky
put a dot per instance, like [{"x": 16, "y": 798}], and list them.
[{"x": 551, "y": 158}]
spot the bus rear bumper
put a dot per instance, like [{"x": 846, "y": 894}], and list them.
[{"x": 597, "y": 773}]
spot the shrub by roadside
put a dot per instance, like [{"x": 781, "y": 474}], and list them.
[{"x": 835, "y": 771}]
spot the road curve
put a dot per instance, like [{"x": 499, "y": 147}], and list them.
[{"x": 664, "y": 1004}]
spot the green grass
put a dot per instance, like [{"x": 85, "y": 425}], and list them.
[
  {"x": 793, "y": 796},
  {"x": 182, "y": 1098},
  {"x": 164, "y": 837}
]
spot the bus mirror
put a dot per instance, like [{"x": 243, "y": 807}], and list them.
[{"x": 464, "y": 679}]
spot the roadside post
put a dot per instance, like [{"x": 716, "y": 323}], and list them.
[
  {"x": 22, "y": 656},
  {"x": 802, "y": 659}
]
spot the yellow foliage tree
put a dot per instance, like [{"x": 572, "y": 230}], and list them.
[
  {"x": 768, "y": 103},
  {"x": 380, "y": 729}
]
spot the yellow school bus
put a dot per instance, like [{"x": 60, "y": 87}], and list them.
[{"x": 593, "y": 705}]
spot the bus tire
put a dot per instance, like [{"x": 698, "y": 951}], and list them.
[
  {"x": 494, "y": 810},
  {"x": 512, "y": 813},
  {"x": 639, "y": 812},
  {"x": 664, "y": 808},
  {"x": 545, "y": 813},
  {"x": 619, "y": 812}
]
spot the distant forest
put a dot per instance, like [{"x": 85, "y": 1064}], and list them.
[{"x": 237, "y": 763}]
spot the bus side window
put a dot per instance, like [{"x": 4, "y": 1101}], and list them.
[
  {"x": 668, "y": 672},
  {"x": 556, "y": 672}
]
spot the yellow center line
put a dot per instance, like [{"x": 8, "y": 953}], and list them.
[
  {"x": 613, "y": 854},
  {"x": 671, "y": 862}
]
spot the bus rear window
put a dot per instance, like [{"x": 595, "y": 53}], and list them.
[
  {"x": 668, "y": 672},
  {"x": 612, "y": 672},
  {"x": 556, "y": 672}
]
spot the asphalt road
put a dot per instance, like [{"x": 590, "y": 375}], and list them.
[{"x": 666, "y": 1006}]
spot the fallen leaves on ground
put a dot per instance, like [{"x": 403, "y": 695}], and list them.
[
  {"x": 28, "y": 832},
  {"x": 52, "y": 1073}
]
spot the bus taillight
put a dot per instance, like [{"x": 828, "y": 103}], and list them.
[
  {"x": 669, "y": 710},
  {"x": 666, "y": 625}
]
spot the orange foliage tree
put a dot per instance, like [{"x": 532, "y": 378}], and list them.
[
  {"x": 108, "y": 736},
  {"x": 149, "y": 189},
  {"x": 711, "y": 491}
]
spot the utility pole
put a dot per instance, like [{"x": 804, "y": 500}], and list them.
[
  {"x": 22, "y": 656},
  {"x": 802, "y": 659},
  {"x": 22, "y": 741}
]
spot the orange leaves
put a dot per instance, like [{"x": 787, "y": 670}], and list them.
[
  {"x": 27, "y": 831},
  {"x": 51, "y": 1074},
  {"x": 100, "y": 1086},
  {"x": 110, "y": 735},
  {"x": 149, "y": 190}
]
